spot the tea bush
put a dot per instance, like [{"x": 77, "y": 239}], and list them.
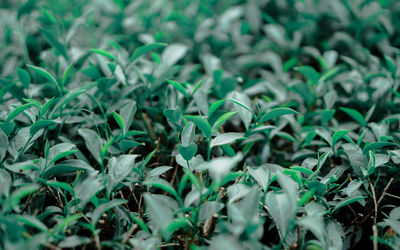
[{"x": 258, "y": 124}]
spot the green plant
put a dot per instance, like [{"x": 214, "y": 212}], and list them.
[{"x": 195, "y": 124}]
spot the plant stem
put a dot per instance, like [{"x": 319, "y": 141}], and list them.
[{"x": 208, "y": 150}]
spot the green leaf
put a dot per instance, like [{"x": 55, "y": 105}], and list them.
[
  {"x": 67, "y": 166},
  {"x": 177, "y": 224},
  {"x": 57, "y": 185},
  {"x": 24, "y": 77},
  {"x": 221, "y": 166},
  {"x": 281, "y": 209},
  {"x": 187, "y": 152},
  {"x": 5, "y": 180},
  {"x": 158, "y": 171},
  {"x": 327, "y": 115},
  {"x": 242, "y": 105},
  {"x": 66, "y": 99},
  {"x": 215, "y": 106},
  {"x": 178, "y": 87},
  {"x": 3, "y": 144},
  {"x": 73, "y": 241},
  {"x": 338, "y": 135},
  {"x": 46, "y": 107},
  {"x": 66, "y": 222},
  {"x": 355, "y": 115},
  {"x": 197, "y": 86},
  {"x": 118, "y": 169},
  {"x": 275, "y": 113},
  {"x": 347, "y": 201},
  {"x": 104, "y": 53},
  {"x": 51, "y": 37},
  {"x": 120, "y": 121},
  {"x": 223, "y": 118},
  {"x": 317, "y": 187},
  {"x": 146, "y": 49},
  {"x": 309, "y": 72},
  {"x": 376, "y": 145},
  {"x": 32, "y": 222},
  {"x": 187, "y": 135},
  {"x": 148, "y": 158},
  {"x": 329, "y": 73},
  {"x": 66, "y": 74},
  {"x": 39, "y": 125},
  {"x": 128, "y": 113},
  {"x": 202, "y": 124},
  {"x": 161, "y": 218},
  {"x": 60, "y": 150},
  {"x": 226, "y": 138},
  {"x": 43, "y": 73},
  {"x": 103, "y": 208},
  {"x": 140, "y": 223},
  {"x": 93, "y": 143},
  {"x": 49, "y": 16},
  {"x": 18, "y": 111},
  {"x": 87, "y": 187},
  {"x": 261, "y": 174},
  {"x": 164, "y": 185},
  {"x": 19, "y": 194},
  {"x": 302, "y": 170}
]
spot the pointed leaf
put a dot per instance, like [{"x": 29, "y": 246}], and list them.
[{"x": 275, "y": 113}]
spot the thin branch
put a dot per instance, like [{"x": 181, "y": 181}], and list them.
[
  {"x": 129, "y": 234},
  {"x": 375, "y": 203},
  {"x": 393, "y": 196},
  {"x": 374, "y": 230},
  {"x": 385, "y": 191}
]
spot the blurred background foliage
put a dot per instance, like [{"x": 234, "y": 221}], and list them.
[{"x": 296, "y": 105}]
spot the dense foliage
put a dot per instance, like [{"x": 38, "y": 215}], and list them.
[{"x": 227, "y": 124}]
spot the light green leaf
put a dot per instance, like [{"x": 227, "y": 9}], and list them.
[
  {"x": 59, "y": 151},
  {"x": 275, "y": 113},
  {"x": 261, "y": 174},
  {"x": 242, "y": 105},
  {"x": 179, "y": 87},
  {"x": 223, "y": 118},
  {"x": 226, "y": 138},
  {"x": 86, "y": 187},
  {"x": 120, "y": 121},
  {"x": 187, "y": 135},
  {"x": 32, "y": 222},
  {"x": 5, "y": 180},
  {"x": 128, "y": 113},
  {"x": 161, "y": 218},
  {"x": 104, "y": 53},
  {"x": 93, "y": 142},
  {"x": 118, "y": 169},
  {"x": 3, "y": 144}
]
